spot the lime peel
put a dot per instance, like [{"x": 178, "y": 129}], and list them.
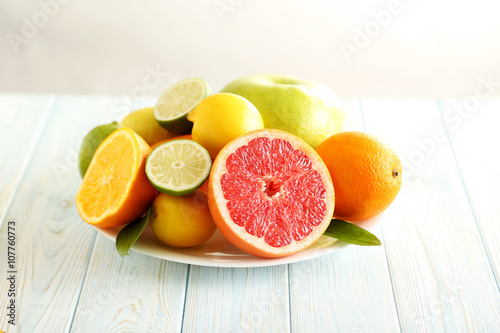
[
  {"x": 175, "y": 103},
  {"x": 178, "y": 167}
]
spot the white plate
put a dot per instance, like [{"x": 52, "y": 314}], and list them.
[{"x": 218, "y": 252}]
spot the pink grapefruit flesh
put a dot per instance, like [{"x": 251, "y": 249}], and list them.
[{"x": 270, "y": 193}]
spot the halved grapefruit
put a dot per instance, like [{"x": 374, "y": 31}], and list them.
[{"x": 270, "y": 193}]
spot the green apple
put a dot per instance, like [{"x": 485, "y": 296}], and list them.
[{"x": 302, "y": 107}]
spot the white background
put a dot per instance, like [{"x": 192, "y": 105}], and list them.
[{"x": 426, "y": 49}]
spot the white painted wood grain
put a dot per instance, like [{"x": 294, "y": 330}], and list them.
[
  {"x": 237, "y": 300},
  {"x": 348, "y": 291},
  {"x": 40, "y": 210},
  {"x": 438, "y": 265},
  {"x": 137, "y": 293},
  {"x": 22, "y": 121},
  {"x": 53, "y": 243},
  {"x": 441, "y": 276},
  {"x": 132, "y": 294},
  {"x": 249, "y": 300},
  {"x": 475, "y": 140}
]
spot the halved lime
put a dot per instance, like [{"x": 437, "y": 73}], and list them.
[
  {"x": 175, "y": 103},
  {"x": 178, "y": 167}
]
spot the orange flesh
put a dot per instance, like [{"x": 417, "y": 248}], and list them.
[
  {"x": 115, "y": 189},
  {"x": 102, "y": 189}
]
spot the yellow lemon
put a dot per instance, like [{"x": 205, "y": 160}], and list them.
[
  {"x": 222, "y": 117},
  {"x": 182, "y": 221},
  {"x": 144, "y": 123}
]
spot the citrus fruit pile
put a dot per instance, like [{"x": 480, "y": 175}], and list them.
[{"x": 265, "y": 161}]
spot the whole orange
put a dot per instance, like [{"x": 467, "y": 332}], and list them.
[
  {"x": 185, "y": 136},
  {"x": 366, "y": 174}
]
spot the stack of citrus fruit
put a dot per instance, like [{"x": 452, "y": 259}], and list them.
[{"x": 270, "y": 178}]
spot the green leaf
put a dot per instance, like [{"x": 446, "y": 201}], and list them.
[
  {"x": 351, "y": 233},
  {"x": 129, "y": 235}
]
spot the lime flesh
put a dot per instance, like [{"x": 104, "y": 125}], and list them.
[
  {"x": 174, "y": 104},
  {"x": 178, "y": 167}
]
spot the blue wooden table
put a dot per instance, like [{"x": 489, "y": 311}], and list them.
[{"x": 437, "y": 271}]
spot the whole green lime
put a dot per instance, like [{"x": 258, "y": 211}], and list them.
[
  {"x": 302, "y": 107},
  {"x": 90, "y": 143}
]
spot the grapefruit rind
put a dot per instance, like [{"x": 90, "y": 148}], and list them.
[{"x": 237, "y": 235}]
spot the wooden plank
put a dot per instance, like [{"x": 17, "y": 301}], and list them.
[
  {"x": 441, "y": 276},
  {"x": 474, "y": 138},
  {"x": 137, "y": 293},
  {"x": 237, "y": 300},
  {"x": 252, "y": 299},
  {"x": 53, "y": 244},
  {"x": 22, "y": 120},
  {"x": 348, "y": 291}
]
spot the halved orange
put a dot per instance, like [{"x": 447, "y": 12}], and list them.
[
  {"x": 115, "y": 189},
  {"x": 270, "y": 193}
]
